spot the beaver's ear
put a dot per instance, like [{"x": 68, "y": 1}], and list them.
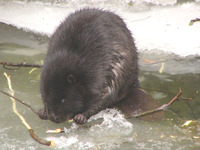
[{"x": 71, "y": 79}]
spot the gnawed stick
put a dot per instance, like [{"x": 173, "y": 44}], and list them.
[
  {"x": 55, "y": 131},
  {"x": 35, "y": 137}
]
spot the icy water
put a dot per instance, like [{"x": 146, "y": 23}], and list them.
[
  {"x": 108, "y": 129},
  {"x": 165, "y": 65}
]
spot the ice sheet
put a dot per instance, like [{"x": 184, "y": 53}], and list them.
[{"x": 157, "y": 28}]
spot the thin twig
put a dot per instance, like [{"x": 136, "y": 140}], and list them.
[
  {"x": 141, "y": 19},
  {"x": 22, "y": 102},
  {"x": 18, "y": 65},
  {"x": 10, "y": 68},
  {"x": 191, "y": 98},
  {"x": 161, "y": 108},
  {"x": 193, "y": 21},
  {"x": 33, "y": 135}
]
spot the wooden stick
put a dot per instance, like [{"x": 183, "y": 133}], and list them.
[
  {"x": 193, "y": 21},
  {"x": 35, "y": 137},
  {"x": 18, "y": 65}
]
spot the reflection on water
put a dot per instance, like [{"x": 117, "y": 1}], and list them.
[{"x": 108, "y": 129}]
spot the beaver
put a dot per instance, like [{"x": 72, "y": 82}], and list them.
[{"x": 91, "y": 64}]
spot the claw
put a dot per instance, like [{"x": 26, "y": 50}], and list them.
[{"x": 80, "y": 119}]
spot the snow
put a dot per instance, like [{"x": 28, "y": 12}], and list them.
[{"x": 158, "y": 28}]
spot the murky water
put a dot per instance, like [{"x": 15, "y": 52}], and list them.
[{"x": 108, "y": 129}]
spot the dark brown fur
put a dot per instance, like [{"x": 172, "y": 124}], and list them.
[{"x": 91, "y": 62}]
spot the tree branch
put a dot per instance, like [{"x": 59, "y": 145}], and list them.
[
  {"x": 33, "y": 135},
  {"x": 161, "y": 108},
  {"x": 18, "y": 65}
]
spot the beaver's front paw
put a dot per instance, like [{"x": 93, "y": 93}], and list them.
[{"x": 80, "y": 119}]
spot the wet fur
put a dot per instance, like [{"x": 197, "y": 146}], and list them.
[{"x": 91, "y": 61}]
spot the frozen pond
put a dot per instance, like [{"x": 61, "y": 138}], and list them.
[
  {"x": 109, "y": 129},
  {"x": 153, "y": 26}
]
